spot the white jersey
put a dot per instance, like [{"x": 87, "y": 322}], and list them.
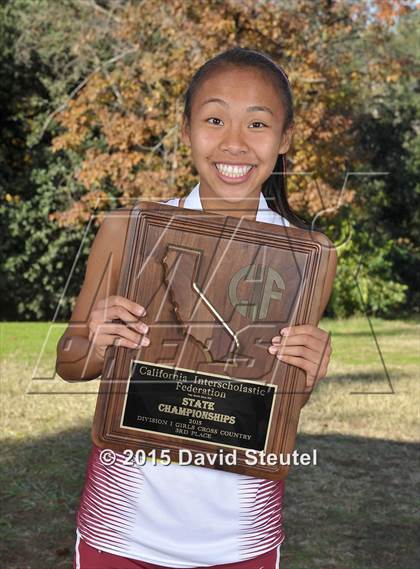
[{"x": 181, "y": 516}]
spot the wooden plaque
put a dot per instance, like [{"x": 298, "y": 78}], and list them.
[{"x": 216, "y": 290}]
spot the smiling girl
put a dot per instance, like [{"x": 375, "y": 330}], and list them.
[{"x": 238, "y": 121}]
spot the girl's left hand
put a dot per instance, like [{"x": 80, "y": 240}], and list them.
[{"x": 306, "y": 347}]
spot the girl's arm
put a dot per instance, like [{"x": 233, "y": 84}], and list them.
[
  {"x": 92, "y": 327},
  {"x": 306, "y": 346},
  {"x": 324, "y": 336}
]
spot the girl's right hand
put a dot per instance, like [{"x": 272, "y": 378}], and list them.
[{"x": 106, "y": 329}]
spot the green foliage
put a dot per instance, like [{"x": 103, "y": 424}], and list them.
[
  {"x": 39, "y": 254},
  {"x": 48, "y": 49},
  {"x": 36, "y": 254},
  {"x": 389, "y": 138},
  {"x": 365, "y": 283}
]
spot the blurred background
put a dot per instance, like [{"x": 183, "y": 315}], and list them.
[{"x": 91, "y": 102}]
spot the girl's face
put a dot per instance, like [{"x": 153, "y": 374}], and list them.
[{"x": 236, "y": 133}]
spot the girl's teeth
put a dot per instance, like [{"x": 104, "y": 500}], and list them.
[{"x": 233, "y": 171}]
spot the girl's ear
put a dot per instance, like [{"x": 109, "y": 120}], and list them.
[
  {"x": 286, "y": 141},
  {"x": 185, "y": 133}
]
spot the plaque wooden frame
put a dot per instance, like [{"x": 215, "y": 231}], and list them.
[{"x": 180, "y": 264}]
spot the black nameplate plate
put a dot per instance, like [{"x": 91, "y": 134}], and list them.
[{"x": 204, "y": 407}]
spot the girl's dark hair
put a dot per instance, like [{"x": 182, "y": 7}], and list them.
[{"x": 274, "y": 188}]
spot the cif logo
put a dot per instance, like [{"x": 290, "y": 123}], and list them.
[{"x": 268, "y": 285}]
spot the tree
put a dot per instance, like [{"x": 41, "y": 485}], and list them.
[{"x": 96, "y": 110}]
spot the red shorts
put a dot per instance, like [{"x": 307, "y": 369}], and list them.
[{"x": 87, "y": 557}]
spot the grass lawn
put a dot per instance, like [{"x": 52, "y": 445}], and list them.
[{"x": 356, "y": 509}]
